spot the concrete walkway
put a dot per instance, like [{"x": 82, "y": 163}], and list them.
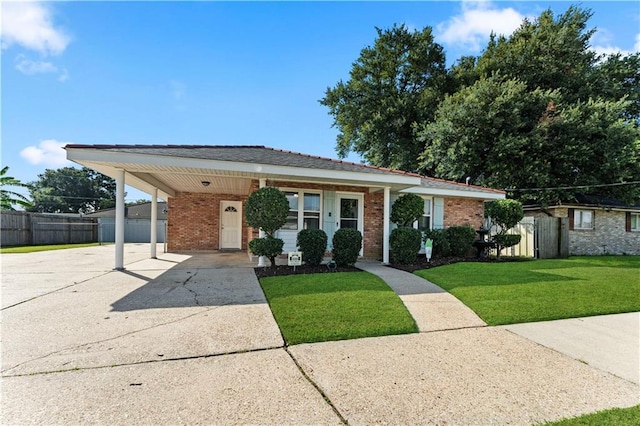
[
  {"x": 433, "y": 308},
  {"x": 607, "y": 342},
  {"x": 189, "y": 339}
]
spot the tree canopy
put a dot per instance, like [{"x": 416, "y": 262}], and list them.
[
  {"x": 393, "y": 85},
  {"x": 72, "y": 190},
  {"x": 538, "y": 113}
]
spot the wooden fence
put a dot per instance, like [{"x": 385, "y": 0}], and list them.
[
  {"x": 18, "y": 228},
  {"x": 552, "y": 237},
  {"x": 541, "y": 237}
]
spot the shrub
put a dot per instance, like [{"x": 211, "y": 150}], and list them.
[
  {"x": 460, "y": 239},
  {"x": 267, "y": 246},
  {"x": 407, "y": 209},
  {"x": 405, "y": 244},
  {"x": 506, "y": 240},
  {"x": 506, "y": 214},
  {"x": 267, "y": 209},
  {"x": 441, "y": 246},
  {"x": 313, "y": 245},
  {"x": 346, "y": 246}
]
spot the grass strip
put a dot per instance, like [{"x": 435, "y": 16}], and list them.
[
  {"x": 33, "y": 249},
  {"x": 541, "y": 290},
  {"x": 616, "y": 416},
  {"x": 323, "y": 307}
]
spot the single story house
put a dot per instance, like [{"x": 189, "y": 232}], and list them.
[
  {"x": 137, "y": 223},
  {"x": 206, "y": 187},
  {"x": 597, "y": 225}
]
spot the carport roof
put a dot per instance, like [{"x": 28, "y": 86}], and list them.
[
  {"x": 254, "y": 154},
  {"x": 182, "y": 168}
]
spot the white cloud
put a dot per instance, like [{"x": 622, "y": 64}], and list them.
[
  {"x": 636, "y": 46},
  {"x": 29, "y": 24},
  {"x": 29, "y": 67},
  {"x": 48, "y": 153},
  {"x": 178, "y": 89},
  {"x": 64, "y": 75},
  {"x": 602, "y": 43},
  {"x": 609, "y": 50},
  {"x": 471, "y": 29}
]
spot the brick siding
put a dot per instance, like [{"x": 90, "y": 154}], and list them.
[
  {"x": 463, "y": 211},
  {"x": 193, "y": 219}
]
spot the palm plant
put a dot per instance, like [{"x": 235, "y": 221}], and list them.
[{"x": 10, "y": 198}]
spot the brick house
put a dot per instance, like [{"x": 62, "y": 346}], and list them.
[
  {"x": 597, "y": 225},
  {"x": 206, "y": 187}
]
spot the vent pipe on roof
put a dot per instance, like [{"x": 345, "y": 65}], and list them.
[{"x": 468, "y": 180}]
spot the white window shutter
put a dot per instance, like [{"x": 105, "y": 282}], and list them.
[{"x": 438, "y": 213}]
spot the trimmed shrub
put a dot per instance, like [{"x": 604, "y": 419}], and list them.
[
  {"x": 313, "y": 245},
  {"x": 441, "y": 246},
  {"x": 506, "y": 240},
  {"x": 405, "y": 245},
  {"x": 460, "y": 239},
  {"x": 267, "y": 209},
  {"x": 407, "y": 209},
  {"x": 347, "y": 243},
  {"x": 267, "y": 246}
]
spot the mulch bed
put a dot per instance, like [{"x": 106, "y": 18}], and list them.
[
  {"x": 420, "y": 263},
  {"x": 282, "y": 270}
]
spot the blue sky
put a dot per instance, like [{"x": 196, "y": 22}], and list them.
[{"x": 218, "y": 73}]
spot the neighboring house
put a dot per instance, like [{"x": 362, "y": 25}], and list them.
[
  {"x": 597, "y": 225},
  {"x": 206, "y": 187},
  {"x": 137, "y": 223}
]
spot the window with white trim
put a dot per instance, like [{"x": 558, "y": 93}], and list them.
[
  {"x": 305, "y": 214},
  {"x": 292, "y": 217},
  {"x": 424, "y": 223},
  {"x": 583, "y": 219},
  {"x": 635, "y": 221}
]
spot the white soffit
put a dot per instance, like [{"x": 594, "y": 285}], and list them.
[{"x": 484, "y": 195}]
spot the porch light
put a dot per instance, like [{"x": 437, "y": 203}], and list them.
[{"x": 205, "y": 183}]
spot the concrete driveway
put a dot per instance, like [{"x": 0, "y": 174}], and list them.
[{"x": 188, "y": 339}]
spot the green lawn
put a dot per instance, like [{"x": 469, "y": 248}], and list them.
[
  {"x": 613, "y": 417},
  {"x": 335, "y": 306},
  {"x": 539, "y": 290},
  {"x": 31, "y": 249}
]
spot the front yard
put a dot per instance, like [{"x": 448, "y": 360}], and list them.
[
  {"x": 540, "y": 290},
  {"x": 335, "y": 306}
]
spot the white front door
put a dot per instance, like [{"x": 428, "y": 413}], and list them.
[{"x": 230, "y": 224}]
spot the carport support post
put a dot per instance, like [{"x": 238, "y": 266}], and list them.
[
  {"x": 119, "y": 220},
  {"x": 154, "y": 222},
  {"x": 385, "y": 226},
  {"x": 263, "y": 183}
]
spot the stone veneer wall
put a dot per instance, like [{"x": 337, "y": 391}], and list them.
[{"x": 609, "y": 235}]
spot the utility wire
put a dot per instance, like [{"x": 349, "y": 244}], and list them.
[{"x": 572, "y": 187}]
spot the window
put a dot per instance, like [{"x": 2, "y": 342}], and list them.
[
  {"x": 305, "y": 215},
  {"x": 292, "y": 218},
  {"x": 583, "y": 219},
  {"x": 424, "y": 223},
  {"x": 311, "y": 219},
  {"x": 634, "y": 222}
]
